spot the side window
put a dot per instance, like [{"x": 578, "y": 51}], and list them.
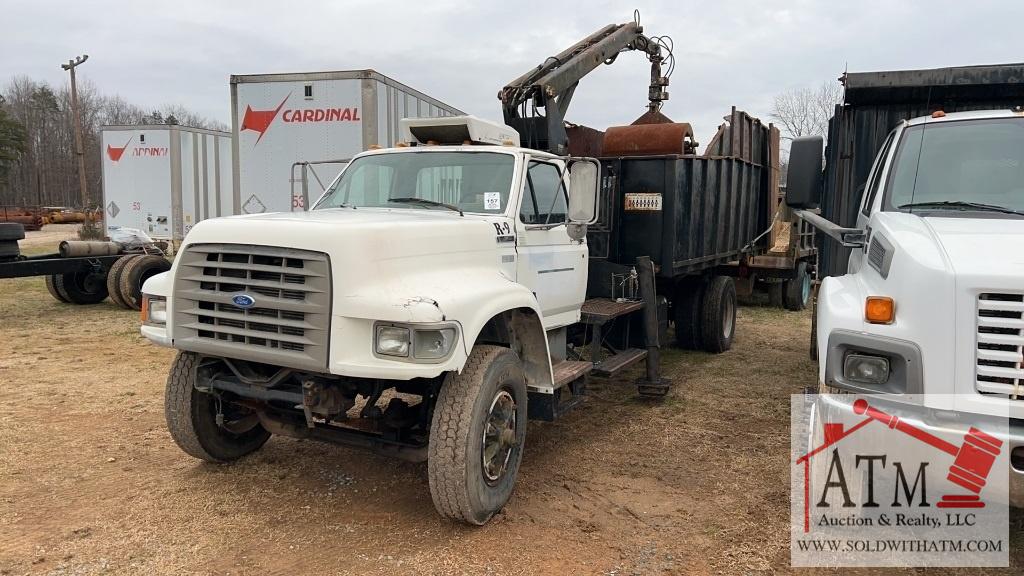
[
  {"x": 874, "y": 183},
  {"x": 544, "y": 197}
]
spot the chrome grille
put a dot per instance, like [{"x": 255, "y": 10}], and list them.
[
  {"x": 999, "y": 361},
  {"x": 289, "y": 321}
]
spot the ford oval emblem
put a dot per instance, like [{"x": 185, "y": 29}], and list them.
[{"x": 243, "y": 301}]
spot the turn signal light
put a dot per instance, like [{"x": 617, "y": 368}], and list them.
[
  {"x": 144, "y": 311},
  {"x": 879, "y": 309}
]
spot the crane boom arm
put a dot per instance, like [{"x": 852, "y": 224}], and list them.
[{"x": 552, "y": 84}]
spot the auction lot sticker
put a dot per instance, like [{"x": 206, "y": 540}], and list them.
[{"x": 876, "y": 482}]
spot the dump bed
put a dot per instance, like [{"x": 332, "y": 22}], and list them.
[
  {"x": 687, "y": 212},
  {"x": 874, "y": 103}
]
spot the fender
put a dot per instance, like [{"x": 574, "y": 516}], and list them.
[
  {"x": 840, "y": 307},
  {"x": 470, "y": 297}
]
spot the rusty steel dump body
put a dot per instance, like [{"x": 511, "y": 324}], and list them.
[{"x": 689, "y": 212}]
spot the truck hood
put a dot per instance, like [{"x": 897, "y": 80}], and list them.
[
  {"x": 380, "y": 258},
  {"x": 379, "y": 233},
  {"x": 981, "y": 246}
]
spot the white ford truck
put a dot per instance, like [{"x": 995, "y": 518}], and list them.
[
  {"x": 933, "y": 300},
  {"x": 443, "y": 273}
]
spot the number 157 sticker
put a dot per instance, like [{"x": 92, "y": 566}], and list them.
[{"x": 492, "y": 201}]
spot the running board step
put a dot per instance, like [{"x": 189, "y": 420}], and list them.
[
  {"x": 568, "y": 371},
  {"x": 601, "y": 310},
  {"x": 612, "y": 364}
]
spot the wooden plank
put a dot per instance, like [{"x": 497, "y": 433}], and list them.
[
  {"x": 609, "y": 366},
  {"x": 569, "y": 370}
]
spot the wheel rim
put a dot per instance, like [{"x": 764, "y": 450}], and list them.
[
  {"x": 728, "y": 317},
  {"x": 89, "y": 283},
  {"x": 499, "y": 436},
  {"x": 805, "y": 289}
]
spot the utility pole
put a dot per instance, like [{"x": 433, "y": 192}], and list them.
[{"x": 77, "y": 118}]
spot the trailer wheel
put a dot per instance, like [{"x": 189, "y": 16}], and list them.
[
  {"x": 81, "y": 287},
  {"x": 11, "y": 231},
  {"x": 114, "y": 280},
  {"x": 796, "y": 293},
  {"x": 192, "y": 418},
  {"x": 686, "y": 308},
  {"x": 718, "y": 324},
  {"x": 477, "y": 436},
  {"x": 134, "y": 275},
  {"x": 51, "y": 287}
]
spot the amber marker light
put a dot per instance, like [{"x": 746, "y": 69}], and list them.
[{"x": 879, "y": 310}]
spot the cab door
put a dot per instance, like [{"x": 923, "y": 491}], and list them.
[{"x": 549, "y": 263}]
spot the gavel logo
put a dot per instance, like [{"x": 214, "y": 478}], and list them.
[{"x": 973, "y": 459}]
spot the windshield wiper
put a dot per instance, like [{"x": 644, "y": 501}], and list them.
[
  {"x": 962, "y": 204},
  {"x": 424, "y": 201}
]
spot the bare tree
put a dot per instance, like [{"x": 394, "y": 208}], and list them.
[
  {"x": 806, "y": 111},
  {"x": 41, "y": 170}
]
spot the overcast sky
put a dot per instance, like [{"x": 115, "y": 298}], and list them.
[{"x": 727, "y": 53}]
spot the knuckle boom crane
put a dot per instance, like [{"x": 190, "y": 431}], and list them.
[{"x": 551, "y": 85}]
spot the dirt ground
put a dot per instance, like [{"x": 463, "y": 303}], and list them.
[
  {"x": 48, "y": 237},
  {"x": 91, "y": 483}
]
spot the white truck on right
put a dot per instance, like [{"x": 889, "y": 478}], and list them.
[{"x": 932, "y": 301}]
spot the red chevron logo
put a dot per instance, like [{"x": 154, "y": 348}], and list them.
[
  {"x": 260, "y": 120},
  {"x": 115, "y": 153}
]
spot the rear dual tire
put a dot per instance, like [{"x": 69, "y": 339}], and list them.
[
  {"x": 79, "y": 287},
  {"x": 705, "y": 314},
  {"x": 129, "y": 273}
]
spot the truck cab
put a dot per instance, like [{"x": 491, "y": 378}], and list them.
[
  {"x": 440, "y": 275},
  {"x": 932, "y": 304}
]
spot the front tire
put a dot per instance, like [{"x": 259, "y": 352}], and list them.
[
  {"x": 477, "y": 436},
  {"x": 192, "y": 418}
]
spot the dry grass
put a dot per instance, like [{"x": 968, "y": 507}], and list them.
[{"x": 91, "y": 483}]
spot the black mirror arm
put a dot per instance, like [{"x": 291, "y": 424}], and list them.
[{"x": 848, "y": 237}]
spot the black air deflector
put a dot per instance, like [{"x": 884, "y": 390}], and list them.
[{"x": 450, "y": 134}]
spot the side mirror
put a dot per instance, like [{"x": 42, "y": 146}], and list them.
[
  {"x": 584, "y": 179},
  {"x": 804, "y": 183}
]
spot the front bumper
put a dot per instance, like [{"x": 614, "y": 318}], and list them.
[
  {"x": 940, "y": 423},
  {"x": 156, "y": 334}
]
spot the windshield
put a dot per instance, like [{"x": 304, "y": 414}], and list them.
[
  {"x": 975, "y": 165},
  {"x": 469, "y": 181}
]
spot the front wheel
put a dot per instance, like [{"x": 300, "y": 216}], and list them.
[
  {"x": 477, "y": 435},
  {"x": 193, "y": 422}
]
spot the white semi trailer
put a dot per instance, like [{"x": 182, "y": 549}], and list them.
[
  {"x": 163, "y": 179},
  {"x": 279, "y": 120}
]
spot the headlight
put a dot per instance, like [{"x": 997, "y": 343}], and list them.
[
  {"x": 392, "y": 340},
  {"x": 866, "y": 369},
  {"x": 433, "y": 344},
  {"x": 154, "y": 310},
  {"x": 429, "y": 343}
]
